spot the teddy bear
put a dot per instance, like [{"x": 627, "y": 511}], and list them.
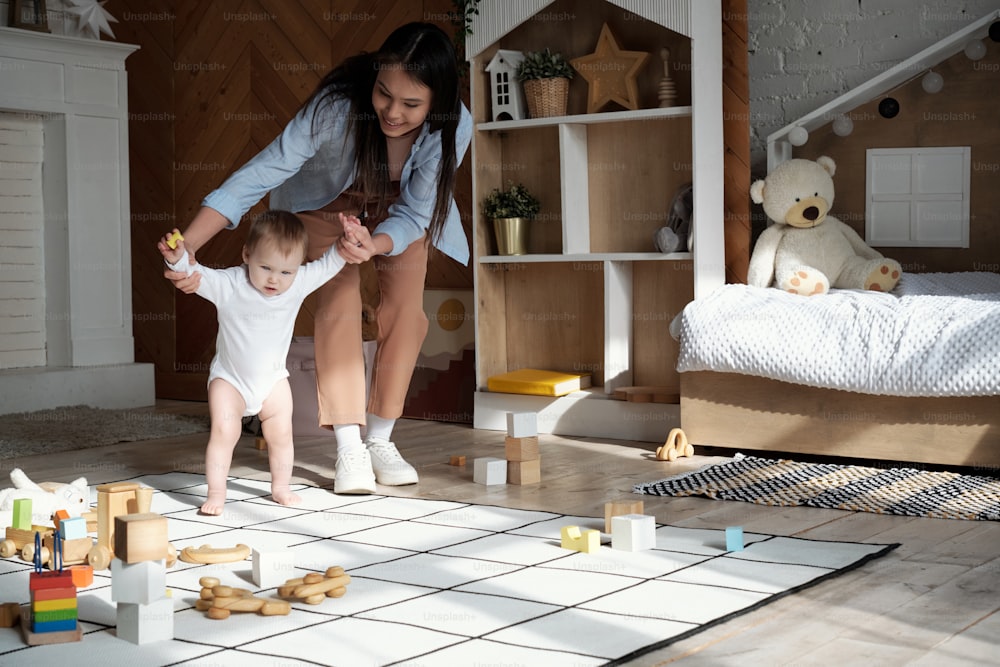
[
  {"x": 807, "y": 251},
  {"x": 47, "y": 497}
]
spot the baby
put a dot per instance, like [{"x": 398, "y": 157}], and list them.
[{"x": 257, "y": 304}]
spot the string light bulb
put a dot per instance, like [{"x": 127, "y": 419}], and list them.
[
  {"x": 975, "y": 50},
  {"x": 932, "y": 82},
  {"x": 843, "y": 125}
]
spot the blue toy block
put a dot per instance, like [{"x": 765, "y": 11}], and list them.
[
  {"x": 73, "y": 528},
  {"x": 734, "y": 538}
]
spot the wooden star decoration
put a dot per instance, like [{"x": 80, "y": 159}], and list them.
[{"x": 610, "y": 73}]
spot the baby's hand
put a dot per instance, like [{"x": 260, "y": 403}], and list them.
[
  {"x": 171, "y": 246},
  {"x": 350, "y": 223}
]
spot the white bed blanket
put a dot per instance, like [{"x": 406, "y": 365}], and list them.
[{"x": 935, "y": 335}]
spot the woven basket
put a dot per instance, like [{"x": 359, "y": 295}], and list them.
[{"x": 546, "y": 97}]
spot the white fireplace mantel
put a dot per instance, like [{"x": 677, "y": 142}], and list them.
[{"x": 77, "y": 87}]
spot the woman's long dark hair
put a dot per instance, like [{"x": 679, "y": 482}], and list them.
[{"x": 426, "y": 52}]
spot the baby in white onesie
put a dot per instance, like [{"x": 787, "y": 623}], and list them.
[{"x": 257, "y": 304}]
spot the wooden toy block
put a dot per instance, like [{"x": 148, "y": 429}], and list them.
[
  {"x": 21, "y": 520},
  {"x": 54, "y": 593},
  {"x": 38, "y": 581},
  {"x": 587, "y": 541},
  {"x": 145, "y": 623},
  {"x": 113, "y": 500},
  {"x": 83, "y": 575},
  {"x": 140, "y": 537},
  {"x": 522, "y": 424},
  {"x": 139, "y": 583},
  {"x": 260, "y": 443},
  {"x": 489, "y": 470},
  {"x": 34, "y": 638},
  {"x": 734, "y": 538},
  {"x": 675, "y": 447},
  {"x": 619, "y": 507},
  {"x": 91, "y": 518},
  {"x": 59, "y": 517},
  {"x": 211, "y": 555},
  {"x": 10, "y": 614},
  {"x": 72, "y": 528},
  {"x": 271, "y": 567},
  {"x": 457, "y": 461},
  {"x": 315, "y": 587},
  {"x": 524, "y": 472},
  {"x": 633, "y": 532},
  {"x": 173, "y": 239},
  {"x": 521, "y": 449}
]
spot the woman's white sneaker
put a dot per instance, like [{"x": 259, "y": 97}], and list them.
[
  {"x": 389, "y": 467},
  {"x": 354, "y": 473}
]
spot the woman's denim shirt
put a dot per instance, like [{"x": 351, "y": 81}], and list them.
[{"x": 305, "y": 171}]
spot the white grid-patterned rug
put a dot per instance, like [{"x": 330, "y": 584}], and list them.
[{"x": 436, "y": 583}]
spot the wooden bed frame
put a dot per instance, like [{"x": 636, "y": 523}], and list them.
[{"x": 750, "y": 413}]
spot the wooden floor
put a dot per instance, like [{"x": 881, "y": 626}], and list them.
[{"x": 934, "y": 601}]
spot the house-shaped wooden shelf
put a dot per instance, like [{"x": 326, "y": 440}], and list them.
[{"x": 592, "y": 294}]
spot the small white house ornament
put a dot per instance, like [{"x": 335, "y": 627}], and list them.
[{"x": 508, "y": 98}]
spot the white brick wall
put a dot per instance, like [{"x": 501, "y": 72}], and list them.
[
  {"x": 22, "y": 285},
  {"x": 804, "y": 53}
]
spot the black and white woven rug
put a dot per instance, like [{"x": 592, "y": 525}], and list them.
[{"x": 900, "y": 491}]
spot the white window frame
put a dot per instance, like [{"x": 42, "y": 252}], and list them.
[{"x": 914, "y": 200}]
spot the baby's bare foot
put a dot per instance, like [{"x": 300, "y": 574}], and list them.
[
  {"x": 285, "y": 496},
  {"x": 214, "y": 503}
]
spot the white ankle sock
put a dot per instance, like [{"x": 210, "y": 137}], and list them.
[
  {"x": 379, "y": 427},
  {"x": 348, "y": 437}
]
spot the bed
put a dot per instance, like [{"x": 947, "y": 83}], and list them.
[{"x": 912, "y": 376}]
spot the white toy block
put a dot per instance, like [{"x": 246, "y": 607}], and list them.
[
  {"x": 522, "y": 424},
  {"x": 146, "y": 623},
  {"x": 272, "y": 567},
  {"x": 490, "y": 470},
  {"x": 633, "y": 532},
  {"x": 73, "y": 528},
  {"x": 138, "y": 583}
]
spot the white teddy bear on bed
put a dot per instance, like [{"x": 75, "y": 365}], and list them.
[{"x": 807, "y": 251}]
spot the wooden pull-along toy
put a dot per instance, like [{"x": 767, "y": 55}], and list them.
[{"x": 676, "y": 446}]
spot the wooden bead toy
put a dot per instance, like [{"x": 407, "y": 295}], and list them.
[
  {"x": 219, "y": 601},
  {"x": 315, "y": 587}
]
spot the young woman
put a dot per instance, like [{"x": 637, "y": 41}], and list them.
[{"x": 380, "y": 138}]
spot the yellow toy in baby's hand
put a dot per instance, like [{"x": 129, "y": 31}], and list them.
[{"x": 173, "y": 239}]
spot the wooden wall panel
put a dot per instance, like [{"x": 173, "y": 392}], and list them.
[
  {"x": 736, "y": 129},
  {"x": 211, "y": 85}
]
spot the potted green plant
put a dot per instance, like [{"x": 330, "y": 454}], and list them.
[
  {"x": 510, "y": 210},
  {"x": 545, "y": 78}
]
